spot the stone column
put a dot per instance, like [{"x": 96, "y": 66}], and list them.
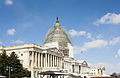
[
  {"x": 41, "y": 60},
  {"x": 38, "y": 59},
  {"x": 32, "y": 59},
  {"x": 48, "y": 61},
  {"x": 57, "y": 61},
  {"x": 45, "y": 59},
  {"x": 32, "y": 72},
  {"x": 53, "y": 61},
  {"x": 60, "y": 62},
  {"x": 35, "y": 60}
]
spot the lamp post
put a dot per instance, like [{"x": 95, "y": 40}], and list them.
[{"x": 9, "y": 68}]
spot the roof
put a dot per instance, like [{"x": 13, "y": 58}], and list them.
[{"x": 81, "y": 61}]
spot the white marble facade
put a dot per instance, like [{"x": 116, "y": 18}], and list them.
[
  {"x": 56, "y": 54},
  {"x": 36, "y": 58}
]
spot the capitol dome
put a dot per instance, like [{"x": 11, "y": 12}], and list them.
[{"x": 57, "y": 34}]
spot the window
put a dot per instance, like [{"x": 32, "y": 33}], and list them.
[
  {"x": 73, "y": 68},
  {"x": 79, "y": 68},
  {"x": 21, "y": 54}
]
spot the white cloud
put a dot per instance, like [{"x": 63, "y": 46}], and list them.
[
  {"x": 8, "y": 2},
  {"x": 114, "y": 41},
  {"x": 78, "y": 49},
  {"x": 109, "y": 18},
  {"x": 86, "y": 34},
  {"x": 73, "y": 32},
  {"x": 95, "y": 44},
  {"x": 89, "y": 35},
  {"x": 89, "y": 45},
  {"x": 118, "y": 54},
  {"x": 11, "y": 31},
  {"x": 76, "y": 33},
  {"x": 18, "y": 41},
  {"x": 80, "y": 33}
]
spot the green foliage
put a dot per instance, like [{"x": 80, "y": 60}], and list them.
[
  {"x": 14, "y": 62},
  {"x": 3, "y": 63},
  {"x": 114, "y": 75}
]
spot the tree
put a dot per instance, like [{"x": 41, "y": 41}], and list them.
[
  {"x": 118, "y": 75},
  {"x": 14, "y": 62},
  {"x": 114, "y": 75},
  {"x": 3, "y": 63},
  {"x": 18, "y": 70}
]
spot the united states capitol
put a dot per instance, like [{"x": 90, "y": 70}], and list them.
[{"x": 56, "y": 54}]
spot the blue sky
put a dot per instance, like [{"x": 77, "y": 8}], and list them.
[{"x": 94, "y": 26}]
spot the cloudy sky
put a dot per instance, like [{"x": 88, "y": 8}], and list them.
[{"x": 94, "y": 26}]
